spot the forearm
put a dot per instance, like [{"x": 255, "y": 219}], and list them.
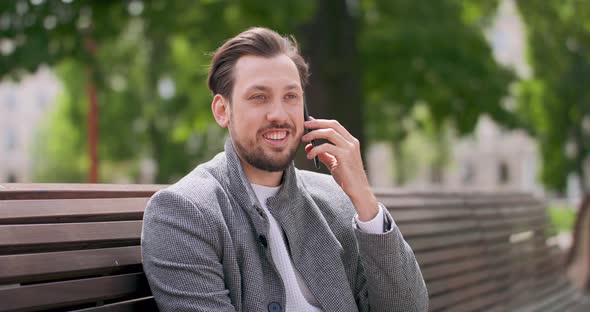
[{"x": 365, "y": 203}]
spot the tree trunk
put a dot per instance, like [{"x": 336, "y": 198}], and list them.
[
  {"x": 92, "y": 117},
  {"x": 583, "y": 178},
  {"x": 158, "y": 143},
  {"x": 92, "y": 130},
  {"x": 157, "y": 136},
  {"x": 579, "y": 160},
  {"x": 330, "y": 46},
  {"x": 398, "y": 161}
]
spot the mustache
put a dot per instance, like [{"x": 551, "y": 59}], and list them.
[{"x": 285, "y": 126}]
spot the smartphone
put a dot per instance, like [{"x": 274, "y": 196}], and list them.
[{"x": 316, "y": 160}]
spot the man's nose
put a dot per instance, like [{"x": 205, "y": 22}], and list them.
[{"x": 277, "y": 112}]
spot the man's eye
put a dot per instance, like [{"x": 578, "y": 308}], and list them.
[
  {"x": 291, "y": 96},
  {"x": 258, "y": 97}
]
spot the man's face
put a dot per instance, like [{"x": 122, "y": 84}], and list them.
[{"x": 266, "y": 111}]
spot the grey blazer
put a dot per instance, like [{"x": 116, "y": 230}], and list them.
[{"x": 204, "y": 246}]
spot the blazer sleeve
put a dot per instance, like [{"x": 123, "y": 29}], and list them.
[
  {"x": 389, "y": 276},
  {"x": 181, "y": 259}
]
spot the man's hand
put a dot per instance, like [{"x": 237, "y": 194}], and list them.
[{"x": 343, "y": 158}]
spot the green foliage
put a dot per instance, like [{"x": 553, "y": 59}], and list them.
[
  {"x": 433, "y": 56},
  {"x": 411, "y": 54},
  {"x": 555, "y": 103},
  {"x": 562, "y": 218},
  {"x": 426, "y": 52},
  {"x": 137, "y": 45},
  {"x": 58, "y": 145}
]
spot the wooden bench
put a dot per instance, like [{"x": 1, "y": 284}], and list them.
[
  {"x": 483, "y": 252},
  {"x": 76, "y": 247},
  {"x": 72, "y": 247}
]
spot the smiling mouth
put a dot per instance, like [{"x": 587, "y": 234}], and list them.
[
  {"x": 275, "y": 135},
  {"x": 277, "y": 138}
]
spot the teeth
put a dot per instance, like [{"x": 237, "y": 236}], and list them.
[{"x": 277, "y": 135}]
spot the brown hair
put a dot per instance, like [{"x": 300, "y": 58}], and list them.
[{"x": 255, "y": 41}]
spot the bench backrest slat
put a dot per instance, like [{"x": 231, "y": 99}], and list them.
[
  {"x": 31, "y": 237},
  {"x": 72, "y": 247},
  {"x": 34, "y": 267},
  {"x": 71, "y": 210},
  {"x": 145, "y": 304},
  {"x": 72, "y": 292}
]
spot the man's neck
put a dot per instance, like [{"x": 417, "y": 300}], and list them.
[{"x": 261, "y": 177}]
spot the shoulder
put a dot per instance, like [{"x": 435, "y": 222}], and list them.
[
  {"x": 195, "y": 196},
  {"x": 326, "y": 193},
  {"x": 321, "y": 186},
  {"x": 318, "y": 183}
]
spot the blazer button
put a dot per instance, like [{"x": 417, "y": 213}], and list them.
[
  {"x": 264, "y": 243},
  {"x": 274, "y": 307}
]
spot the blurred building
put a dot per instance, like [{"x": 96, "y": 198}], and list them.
[
  {"x": 23, "y": 106},
  {"x": 494, "y": 159},
  {"x": 489, "y": 159}
]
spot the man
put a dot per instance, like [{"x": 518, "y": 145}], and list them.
[{"x": 247, "y": 231}]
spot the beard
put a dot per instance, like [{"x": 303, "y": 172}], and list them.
[{"x": 255, "y": 155}]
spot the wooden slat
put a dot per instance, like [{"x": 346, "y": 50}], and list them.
[
  {"x": 515, "y": 222},
  {"x": 547, "y": 284},
  {"x": 480, "y": 303},
  {"x": 570, "y": 304},
  {"x": 438, "y": 271},
  {"x": 393, "y": 192},
  {"x": 425, "y": 258},
  {"x": 443, "y": 241},
  {"x": 67, "y": 293},
  {"x": 437, "y": 227},
  {"x": 504, "y": 234},
  {"x": 12, "y": 191},
  {"x": 548, "y": 298},
  {"x": 562, "y": 302},
  {"x": 147, "y": 304},
  {"x": 449, "y": 300},
  {"x": 458, "y": 282},
  {"x": 421, "y": 202},
  {"x": 510, "y": 211},
  {"x": 498, "y": 269},
  {"x": 66, "y": 210},
  {"x": 496, "y": 199},
  {"x": 43, "y": 266},
  {"x": 412, "y": 215},
  {"x": 29, "y": 237}
]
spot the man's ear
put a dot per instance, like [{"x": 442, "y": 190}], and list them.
[{"x": 221, "y": 110}]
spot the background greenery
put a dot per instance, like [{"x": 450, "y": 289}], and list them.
[
  {"x": 389, "y": 70},
  {"x": 562, "y": 217}
]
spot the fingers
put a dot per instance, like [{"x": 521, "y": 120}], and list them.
[
  {"x": 333, "y": 124},
  {"x": 342, "y": 148},
  {"x": 327, "y": 134},
  {"x": 328, "y": 160},
  {"x": 321, "y": 149}
]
